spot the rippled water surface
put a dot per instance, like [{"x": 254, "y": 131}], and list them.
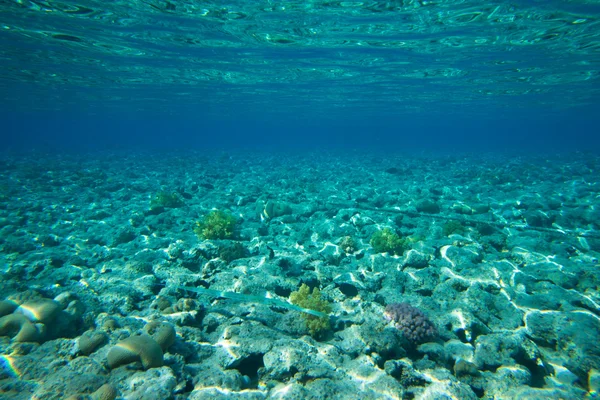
[{"x": 285, "y": 56}]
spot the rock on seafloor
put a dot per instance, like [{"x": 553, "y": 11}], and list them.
[{"x": 197, "y": 276}]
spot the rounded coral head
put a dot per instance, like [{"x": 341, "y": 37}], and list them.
[{"x": 411, "y": 321}]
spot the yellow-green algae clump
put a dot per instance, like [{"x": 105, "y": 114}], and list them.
[
  {"x": 388, "y": 241},
  {"x": 216, "y": 224},
  {"x": 304, "y": 298}
]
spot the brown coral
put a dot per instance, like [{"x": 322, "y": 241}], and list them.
[
  {"x": 162, "y": 332},
  {"x": 105, "y": 392},
  {"x": 42, "y": 310},
  {"x": 90, "y": 340},
  {"x": 7, "y": 307},
  {"x": 136, "y": 348},
  {"x": 19, "y": 328}
]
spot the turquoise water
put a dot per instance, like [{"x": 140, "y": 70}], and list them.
[
  {"x": 299, "y": 200},
  {"x": 456, "y": 73}
]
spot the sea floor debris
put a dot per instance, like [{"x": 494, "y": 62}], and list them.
[{"x": 500, "y": 252}]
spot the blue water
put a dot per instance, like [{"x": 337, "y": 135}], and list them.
[
  {"x": 449, "y": 75},
  {"x": 61, "y": 130},
  {"x": 193, "y": 171}
]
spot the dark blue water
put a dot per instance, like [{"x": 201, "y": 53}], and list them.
[
  {"x": 569, "y": 130},
  {"x": 450, "y": 75}
]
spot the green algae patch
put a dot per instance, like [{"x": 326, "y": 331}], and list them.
[
  {"x": 313, "y": 301},
  {"x": 216, "y": 225},
  {"x": 388, "y": 241}
]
